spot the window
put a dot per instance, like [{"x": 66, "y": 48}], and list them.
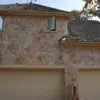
[
  {"x": 1, "y": 23},
  {"x": 51, "y": 23}
]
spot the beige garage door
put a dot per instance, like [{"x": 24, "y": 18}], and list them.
[
  {"x": 32, "y": 85},
  {"x": 89, "y": 85}
]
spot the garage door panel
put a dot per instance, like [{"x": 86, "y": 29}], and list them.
[
  {"x": 33, "y": 85},
  {"x": 89, "y": 85}
]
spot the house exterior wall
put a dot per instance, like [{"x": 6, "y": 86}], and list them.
[
  {"x": 25, "y": 40},
  {"x": 82, "y": 58}
]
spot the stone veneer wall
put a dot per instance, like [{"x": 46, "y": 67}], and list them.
[
  {"x": 27, "y": 41},
  {"x": 82, "y": 58}
]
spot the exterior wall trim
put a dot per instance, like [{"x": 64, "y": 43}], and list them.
[
  {"x": 33, "y": 66},
  {"x": 85, "y": 45},
  {"x": 89, "y": 69},
  {"x": 31, "y": 13}
]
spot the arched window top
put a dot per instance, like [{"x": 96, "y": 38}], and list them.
[{"x": 1, "y": 22}]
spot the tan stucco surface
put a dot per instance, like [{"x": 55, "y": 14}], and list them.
[
  {"x": 89, "y": 84},
  {"x": 32, "y": 85}
]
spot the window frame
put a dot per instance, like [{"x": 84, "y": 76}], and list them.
[
  {"x": 53, "y": 21},
  {"x": 2, "y": 26}
]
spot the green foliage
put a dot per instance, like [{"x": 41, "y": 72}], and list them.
[
  {"x": 75, "y": 14},
  {"x": 91, "y": 8}
]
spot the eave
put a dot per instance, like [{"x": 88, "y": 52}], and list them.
[
  {"x": 32, "y": 13},
  {"x": 80, "y": 45}
]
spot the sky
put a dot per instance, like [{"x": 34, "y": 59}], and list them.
[{"x": 67, "y": 5}]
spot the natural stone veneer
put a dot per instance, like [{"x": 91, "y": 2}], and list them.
[
  {"x": 25, "y": 40},
  {"x": 82, "y": 58}
]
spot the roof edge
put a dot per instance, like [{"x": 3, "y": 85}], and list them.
[
  {"x": 23, "y": 4},
  {"x": 34, "y": 13}
]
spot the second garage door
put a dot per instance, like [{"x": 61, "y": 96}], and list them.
[
  {"x": 32, "y": 85},
  {"x": 89, "y": 85}
]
